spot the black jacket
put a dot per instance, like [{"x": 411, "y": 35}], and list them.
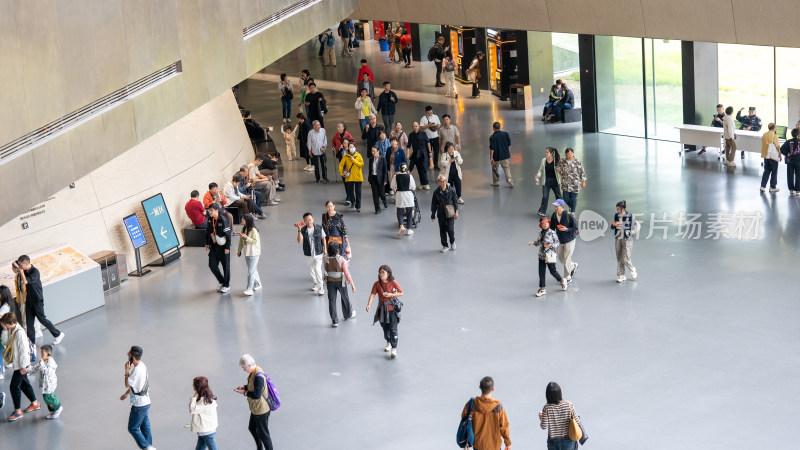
[
  {"x": 568, "y": 220},
  {"x": 442, "y": 198},
  {"x": 418, "y": 141},
  {"x": 371, "y": 136},
  {"x": 223, "y": 230},
  {"x": 302, "y": 132},
  {"x": 254, "y": 130},
  {"x": 34, "y": 291},
  {"x": 568, "y": 97},
  {"x": 382, "y": 171},
  {"x": 386, "y": 106},
  {"x": 319, "y": 246}
]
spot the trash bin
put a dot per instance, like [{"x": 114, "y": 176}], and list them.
[
  {"x": 517, "y": 96},
  {"x": 384, "y": 45}
]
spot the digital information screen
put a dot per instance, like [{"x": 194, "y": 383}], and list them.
[
  {"x": 160, "y": 223},
  {"x": 134, "y": 231}
]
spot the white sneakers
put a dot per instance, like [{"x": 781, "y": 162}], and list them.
[
  {"x": 402, "y": 230},
  {"x": 410, "y": 232},
  {"x": 762, "y": 190},
  {"x": 59, "y": 338},
  {"x": 453, "y": 246},
  {"x": 460, "y": 201},
  {"x": 320, "y": 291},
  {"x": 56, "y": 413},
  {"x": 394, "y": 353},
  {"x": 219, "y": 288},
  {"x": 445, "y": 249},
  {"x": 257, "y": 288},
  {"x": 621, "y": 278},
  {"x": 775, "y": 190},
  {"x": 388, "y": 347},
  {"x": 563, "y": 284},
  {"x": 353, "y": 316},
  {"x": 308, "y": 168},
  {"x": 334, "y": 325},
  {"x": 224, "y": 290},
  {"x": 314, "y": 288},
  {"x": 541, "y": 292},
  {"x": 633, "y": 274},
  {"x": 248, "y": 292}
]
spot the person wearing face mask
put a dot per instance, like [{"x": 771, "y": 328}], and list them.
[
  {"x": 351, "y": 169},
  {"x": 547, "y": 241}
]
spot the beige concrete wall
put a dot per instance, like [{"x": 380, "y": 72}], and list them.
[
  {"x": 764, "y": 22},
  {"x": 208, "y": 144},
  {"x": 59, "y": 55}
]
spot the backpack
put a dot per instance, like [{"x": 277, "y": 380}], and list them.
[
  {"x": 273, "y": 397},
  {"x": 331, "y": 41},
  {"x": 465, "y": 436},
  {"x": 450, "y": 66},
  {"x": 432, "y": 53}
]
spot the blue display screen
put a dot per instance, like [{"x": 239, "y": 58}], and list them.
[
  {"x": 160, "y": 223},
  {"x": 134, "y": 231}
]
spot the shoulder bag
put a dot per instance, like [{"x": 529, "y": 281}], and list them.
[
  {"x": 550, "y": 256},
  {"x": 465, "y": 435},
  {"x": 772, "y": 152},
  {"x": 576, "y": 432}
]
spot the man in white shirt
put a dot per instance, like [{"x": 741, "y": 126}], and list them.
[
  {"x": 312, "y": 238},
  {"x": 137, "y": 386},
  {"x": 729, "y": 133},
  {"x": 317, "y": 141},
  {"x": 237, "y": 199},
  {"x": 430, "y": 123},
  {"x": 261, "y": 181}
]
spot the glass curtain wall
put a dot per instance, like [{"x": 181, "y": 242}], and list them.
[
  {"x": 787, "y": 75},
  {"x": 639, "y": 86},
  {"x": 747, "y": 78},
  {"x": 566, "y": 64}
]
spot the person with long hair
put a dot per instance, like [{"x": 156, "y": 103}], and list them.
[
  {"x": 6, "y": 306},
  {"x": 203, "y": 408},
  {"x": 548, "y": 169},
  {"x": 335, "y": 229},
  {"x": 624, "y": 226},
  {"x": 547, "y": 241},
  {"x": 337, "y": 276},
  {"x": 387, "y": 289},
  {"x": 250, "y": 242},
  {"x": 555, "y": 417},
  {"x": 18, "y": 355},
  {"x": 474, "y": 73}
]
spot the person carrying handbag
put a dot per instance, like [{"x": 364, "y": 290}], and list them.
[
  {"x": 547, "y": 242},
  {"x": 557, "y": 417},
  {"x": 444, "y": 203},
  {"x": 771, "y": 155},
  {"x": 474, "y": 73}
]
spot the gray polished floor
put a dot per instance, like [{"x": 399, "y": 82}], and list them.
[{"x": 699, "y": 352}]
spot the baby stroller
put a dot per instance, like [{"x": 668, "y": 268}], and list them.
[{"x": 417, "y": 219}]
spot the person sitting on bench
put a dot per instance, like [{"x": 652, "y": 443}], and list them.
[
  {"x": 196, "y": 211},
  {"x": 567, "y": 101}
]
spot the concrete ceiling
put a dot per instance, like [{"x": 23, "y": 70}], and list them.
[{"x": 763, "y": 22}]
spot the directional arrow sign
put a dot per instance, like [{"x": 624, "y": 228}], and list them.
[
  {"x": 160, "y": 223},
  {"x": 163, "y": 232}
]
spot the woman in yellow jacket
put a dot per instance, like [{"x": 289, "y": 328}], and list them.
[
  {"x": 350, "y": 168},
  {"x": 770, "y": 159}
]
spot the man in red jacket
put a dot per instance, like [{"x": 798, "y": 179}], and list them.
[
  {"x": 364, "y": 69},
  {"x": 196, "y": 211}
]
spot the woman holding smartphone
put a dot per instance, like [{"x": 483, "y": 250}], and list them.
[
  {"x": 386, "y": 289},
  {"x": 203, "y": 408},
  {"x": 287, "y": 94},
  {"x": 250, "y": 242}
]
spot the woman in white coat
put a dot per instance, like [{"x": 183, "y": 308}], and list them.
[
  {"x": 450, "y": 165},
  {"x": 203, "y": 408}
]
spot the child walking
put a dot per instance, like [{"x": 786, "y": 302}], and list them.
[
  {"x": 290, "y": 135},
  {"x": 48, "y": 381}
]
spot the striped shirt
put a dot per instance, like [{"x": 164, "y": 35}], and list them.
[{"x": 555, "y": 419}]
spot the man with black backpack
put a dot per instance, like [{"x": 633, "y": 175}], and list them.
[
  {"x": 137, "y": 386},
  {"x": 489, "y": 420},
  {"x": 436, "y": 54}
]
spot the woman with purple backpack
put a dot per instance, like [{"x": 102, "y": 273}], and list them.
[{"x": 262, "y": 398}]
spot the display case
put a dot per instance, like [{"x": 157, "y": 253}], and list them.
[
  {"x": 464, "y": 45},
  {"x": 502, "y": 50}
]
